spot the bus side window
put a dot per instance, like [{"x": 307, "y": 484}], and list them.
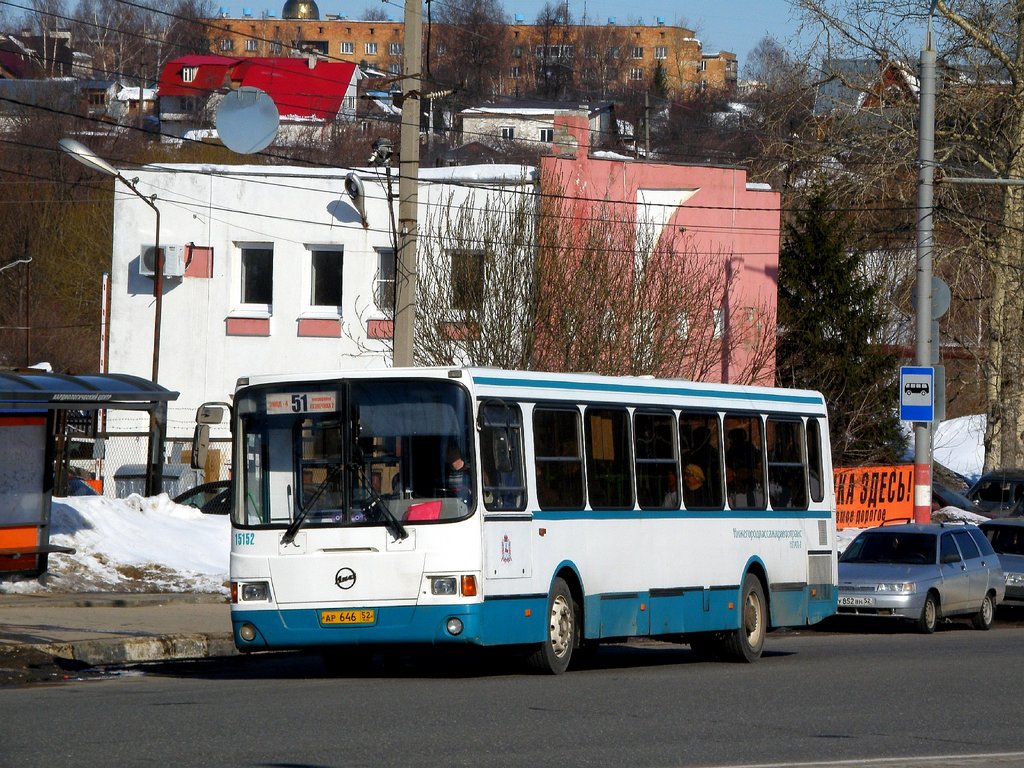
[
  {"x": 700, "y": 448},
  {"x": 744, "y": 462},
  {"x": 501, "y": 456},
  {"x": 609, "y": 468},
  {"x": 556, "y": 438},
  {"x": 814, "y": 460},
  {"x": 787, "y": 476},
  {"x": 657, "y": 472}
]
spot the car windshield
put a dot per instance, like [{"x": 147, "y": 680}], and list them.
[
  {"x": 354, "y": 453},
  {"x": 891, "y": 547},
  {"x": 1006, "y": 540}
]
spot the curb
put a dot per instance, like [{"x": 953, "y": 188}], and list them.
[{"x": 131, "y": 650}]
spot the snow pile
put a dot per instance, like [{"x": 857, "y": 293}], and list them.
[{"x": 133, "y": 545}]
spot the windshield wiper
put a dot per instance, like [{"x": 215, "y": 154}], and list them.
[
  {"x": 289, "y": 534},
  {"x": 392, "y": 523}
]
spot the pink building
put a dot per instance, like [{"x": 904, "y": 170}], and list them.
[{"x": 708, "y": 220}]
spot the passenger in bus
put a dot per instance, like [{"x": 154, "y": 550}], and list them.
[
  {"x": 695, "y": 492},
  {"x": 743, "y": 467},
  {"x": 457, "y": 475}
]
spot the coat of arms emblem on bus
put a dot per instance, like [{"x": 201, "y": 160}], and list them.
[{"x": 506, "y": 549}]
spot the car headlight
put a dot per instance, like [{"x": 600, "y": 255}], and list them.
[
  {"x": 1014, "y": 579},
  {"x": 899, "y": 586}
]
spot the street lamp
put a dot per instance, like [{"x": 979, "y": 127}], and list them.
[{"x": 88, "y": 158}]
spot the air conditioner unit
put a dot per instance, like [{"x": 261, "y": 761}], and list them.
[{"x": 174, "y": 260}]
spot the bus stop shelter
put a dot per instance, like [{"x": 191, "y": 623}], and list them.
[{"x": 34, "y": 410}]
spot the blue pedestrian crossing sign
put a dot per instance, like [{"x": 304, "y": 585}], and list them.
[{"x": 917, "y": 393}]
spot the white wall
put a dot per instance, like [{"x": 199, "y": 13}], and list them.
[{"x": 290, "y": 208}]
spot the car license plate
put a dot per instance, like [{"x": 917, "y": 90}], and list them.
[
  {"x": 355, "y": 618},
  {"x": 856, "y": 601}
]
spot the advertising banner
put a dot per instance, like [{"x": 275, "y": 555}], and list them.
[{"x": 870, "y": 496}]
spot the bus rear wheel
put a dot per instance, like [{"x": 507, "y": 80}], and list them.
[
  {"x": 747, "y": 642},
  {"x": 554, "y": 654}
]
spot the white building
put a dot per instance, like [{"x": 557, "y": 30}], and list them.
[{"x": 268, "y": 269}]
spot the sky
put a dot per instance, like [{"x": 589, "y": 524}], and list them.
[
  {"x": 154, "y": 545},
  {"x": 735, "y": 26}
]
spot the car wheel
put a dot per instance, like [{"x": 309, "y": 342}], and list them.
[
  {"x": 929, "y": 614},
  {"x": 983, "y": 618}
]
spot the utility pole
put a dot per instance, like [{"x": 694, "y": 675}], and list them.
[
  {"x": 408, "y": 182},
  {"x": 923, "y": 351}
]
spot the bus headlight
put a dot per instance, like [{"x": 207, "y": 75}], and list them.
[
  {"x": 255, "y": 592},
  {"x": 454, "y": 626},
  {"x": 443, "y": 585}
]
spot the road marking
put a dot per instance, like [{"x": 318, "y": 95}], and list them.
[{"x": 945, "y": 761}]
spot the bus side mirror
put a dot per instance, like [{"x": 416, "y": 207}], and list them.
[
  {"x": 200, "y": 446},
  {"x": 208, "y": 413}
]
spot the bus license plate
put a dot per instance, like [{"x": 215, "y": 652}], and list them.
[
  {"x": 856, "y": 601},
  {"x": 356, "y": 618}
]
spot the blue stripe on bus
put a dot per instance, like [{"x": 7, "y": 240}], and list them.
[
  {"x": 598, "y": 386},
  {"x": 682, "y": 514},
  {"x": 521, "y": 620}
]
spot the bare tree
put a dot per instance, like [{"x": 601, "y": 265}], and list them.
[
  {"x": 980, "y": 131},
  {"x": 557, "y": 290},
  {"x": 468, "y": 48}
]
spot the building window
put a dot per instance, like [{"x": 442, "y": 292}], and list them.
[
  {"x": 188, "y": 74},
  {"x": 703, "y": 65},
  {"x": 517, "y": 51},
  {"x": 638, "y": 52},
  {"x": 613, "y": 52},
  {"x": 252, "y": 44},
  {"x": 538, "y": 51},
  {"x": 275, "y": 47},
  {"x": 371, "y": 49},
  {"x": 257, "y": 275},
  {"x": 467, "y": 280},
  {"x": 590, "y": 52},
  {"x": 636, "y": 73},
  {"x": 514, "y": 73},
  {"x": 395, "y": 69},
  {"x": 348, "y": 47},
  {"x": 384, "y": 282},
  {"x": 325, "y": 278},
  {"x": 508, "y": 133},
  {"x": 547, "y": 135},
  {"x": 395, "y": 49},
  {"x": 441, "y": 49},
  {"x": 227, "y": 44},
  {"x": 661, "y": 52},
  {"x": 349, "y": 103}
]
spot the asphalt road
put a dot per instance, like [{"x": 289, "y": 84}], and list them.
[{"x": 814, "y": 696}]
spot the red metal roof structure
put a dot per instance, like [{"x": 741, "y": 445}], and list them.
[{"x": 297, "y": 89}]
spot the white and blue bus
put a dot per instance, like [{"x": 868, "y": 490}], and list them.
[{"x": 551, "y": 512}]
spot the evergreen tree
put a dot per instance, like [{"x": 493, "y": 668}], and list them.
[{"x": 830, "y": 325}]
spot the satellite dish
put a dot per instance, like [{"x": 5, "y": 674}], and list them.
[{"x": 247, "y": 120}]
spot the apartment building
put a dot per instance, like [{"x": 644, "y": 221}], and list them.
[{"x": 604, "y": 56}]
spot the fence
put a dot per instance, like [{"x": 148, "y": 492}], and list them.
[{"x": 114, "y": 464}]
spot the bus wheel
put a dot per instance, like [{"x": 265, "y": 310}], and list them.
[
  {"x": 562, "y": 634},
  {"x": 747, "y": 642}
]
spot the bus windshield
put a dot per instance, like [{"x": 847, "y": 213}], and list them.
[{"x": 353, "y": 453}]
